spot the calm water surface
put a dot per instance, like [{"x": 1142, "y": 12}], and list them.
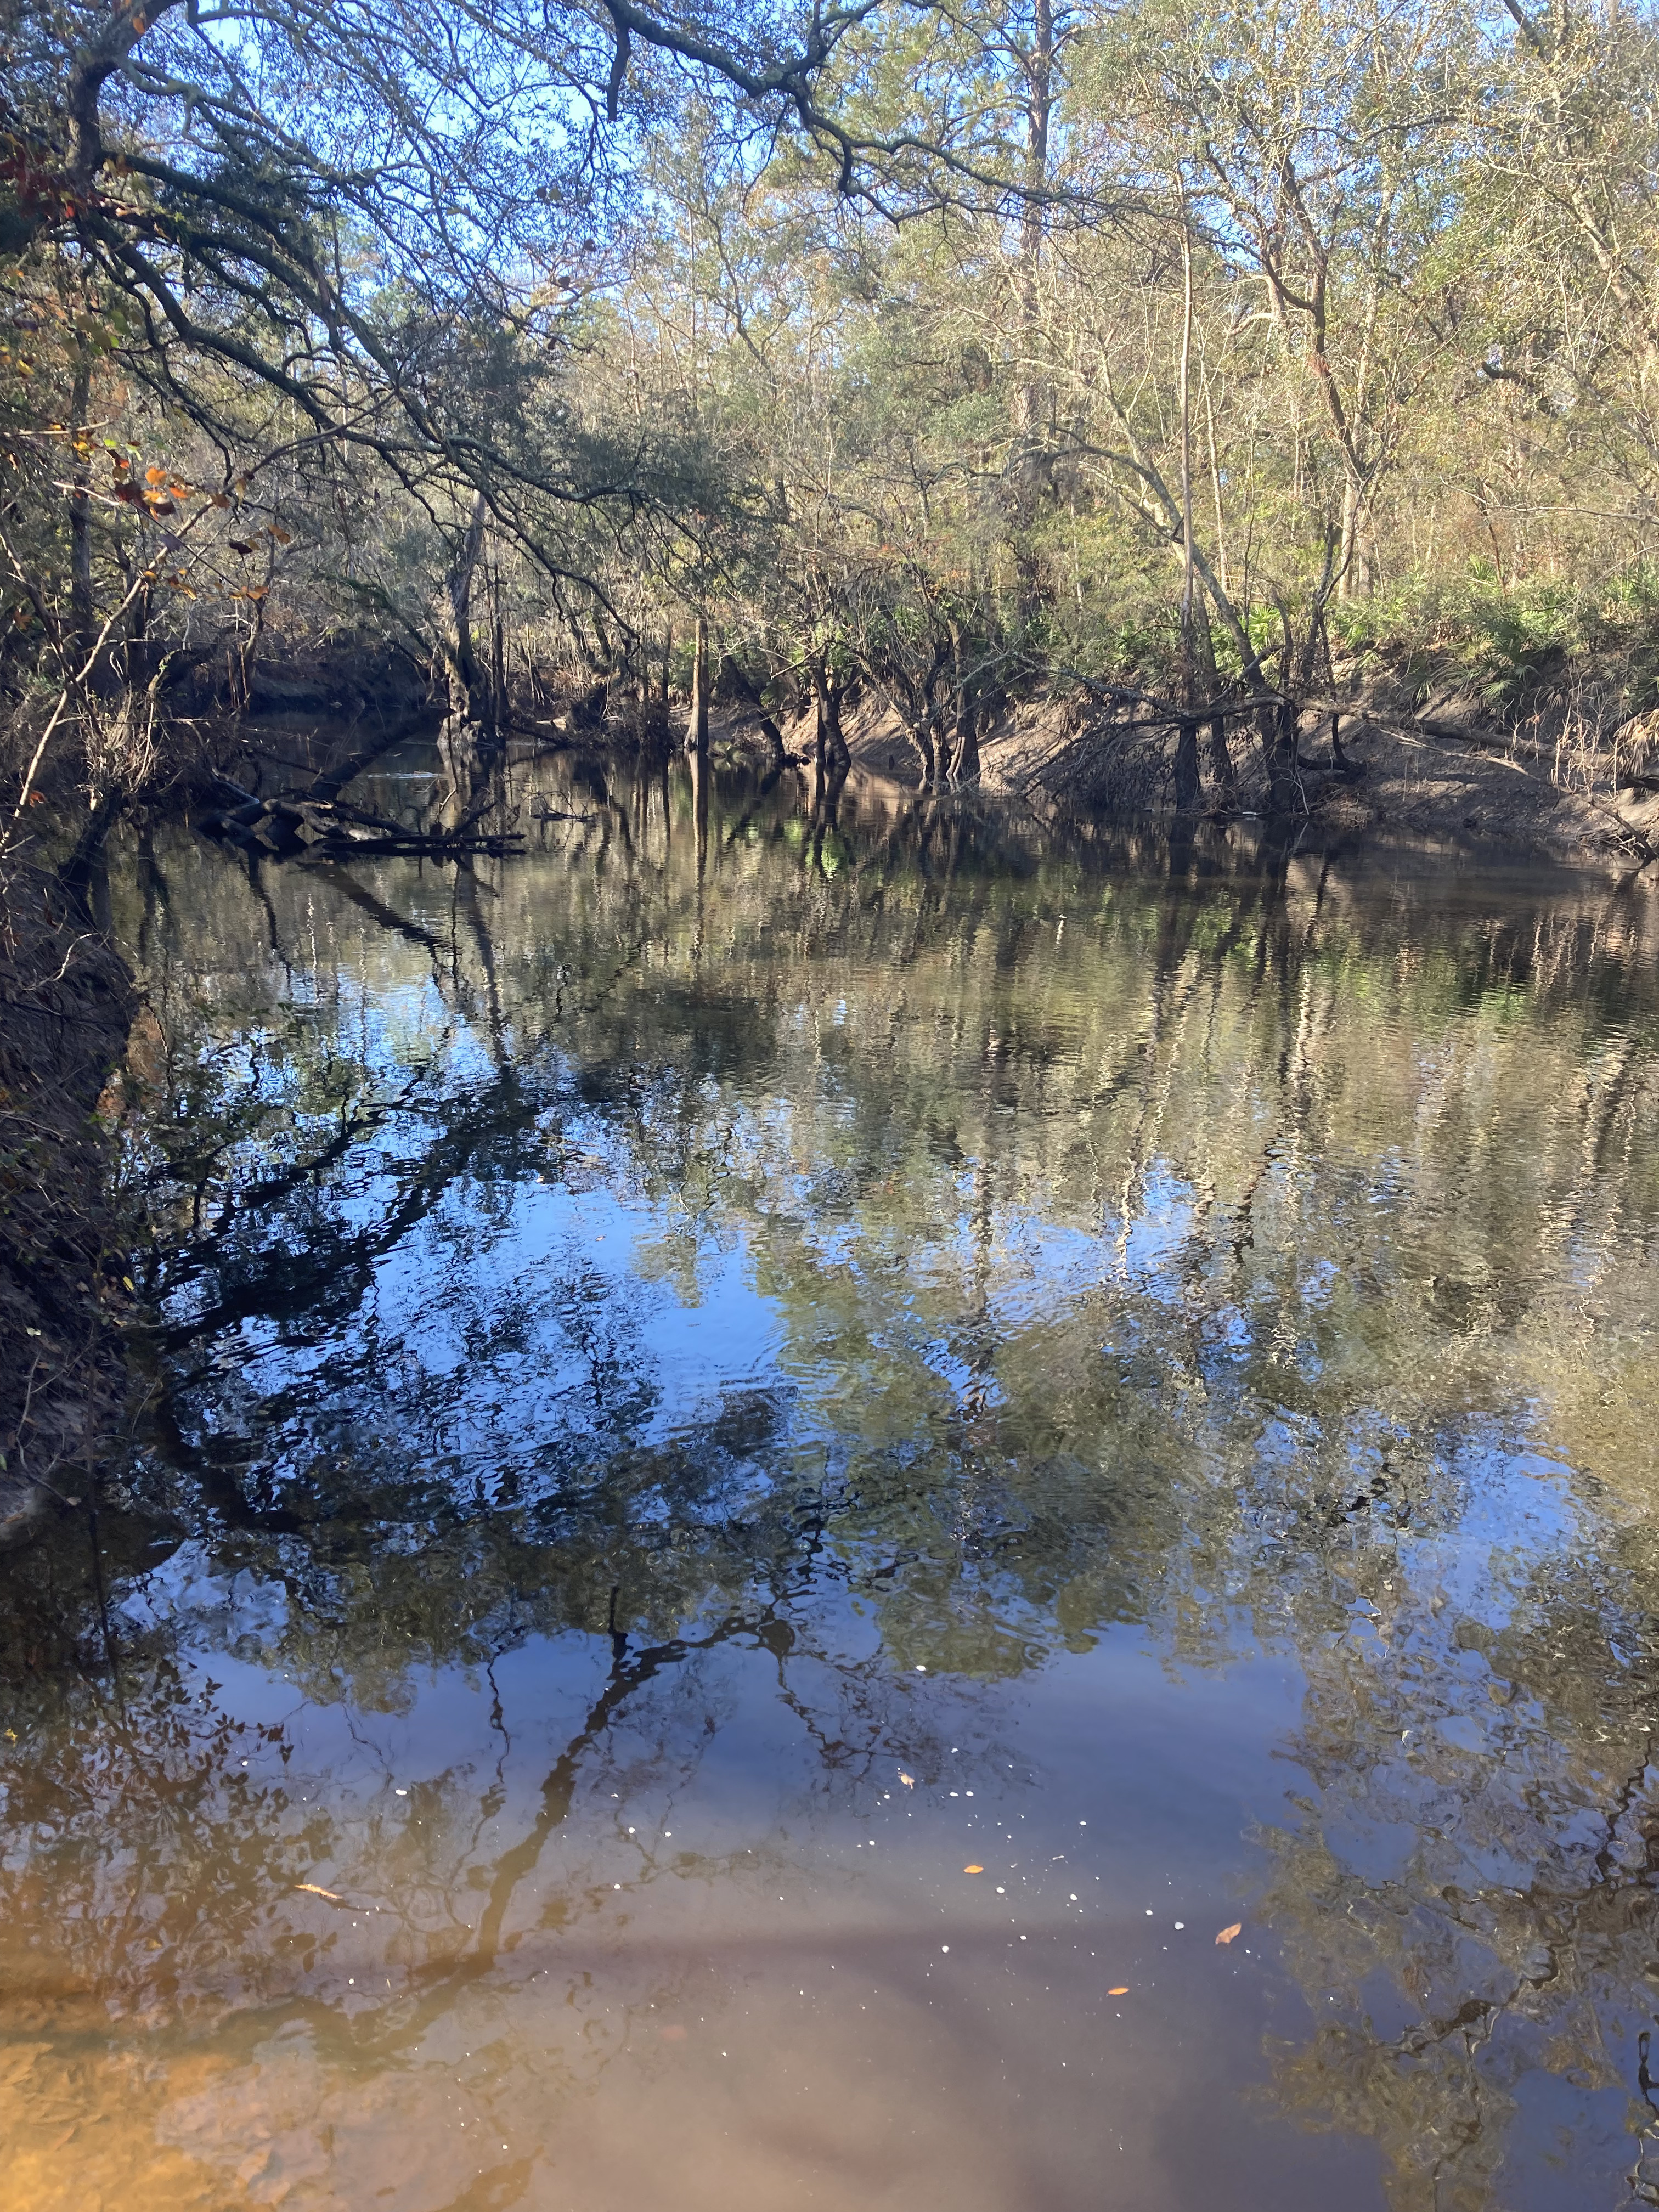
[{"x": 789, "y": 1457}]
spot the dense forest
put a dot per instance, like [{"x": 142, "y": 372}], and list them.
[{"x": 574, "y": 365}]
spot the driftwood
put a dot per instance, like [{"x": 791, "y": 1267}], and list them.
[
  {"x": 316, "y": 818},
  {"x": 287, "y": 825}
]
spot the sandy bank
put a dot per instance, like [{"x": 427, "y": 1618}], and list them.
[{"x": 1460, "y": 785}]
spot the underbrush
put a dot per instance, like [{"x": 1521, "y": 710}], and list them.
[{"x": 1502, "y": 643}]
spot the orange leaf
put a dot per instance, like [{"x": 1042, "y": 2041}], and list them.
[
  {"x": 973, "y": 1869},
  {"x": 1122, "y": 1991},
  {"x": 156, "y": 476},
  {"x": 1228, "y": 1934},
  {"x": 908, "y": 1780}
]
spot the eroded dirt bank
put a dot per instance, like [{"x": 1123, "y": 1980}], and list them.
[{"x": 1460, "y": 785}]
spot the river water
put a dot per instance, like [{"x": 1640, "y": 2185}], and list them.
[{"x": 847, "y": 1505}]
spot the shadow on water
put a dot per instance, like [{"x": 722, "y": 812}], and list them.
[{"x": 793, "y": 1340}]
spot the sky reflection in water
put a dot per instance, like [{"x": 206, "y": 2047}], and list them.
[{"x": 708, "y": 1383}]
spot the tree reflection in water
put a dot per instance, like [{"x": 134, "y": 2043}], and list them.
[{"x": 773, "y": 1287}]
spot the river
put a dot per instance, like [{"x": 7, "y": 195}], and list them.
[{"x": 856, "y": 1506}]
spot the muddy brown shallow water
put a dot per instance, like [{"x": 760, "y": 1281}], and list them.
[{"x": 793, "y": 1452}]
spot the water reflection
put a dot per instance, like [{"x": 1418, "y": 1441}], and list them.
[{"x": 786, "y": 1344}]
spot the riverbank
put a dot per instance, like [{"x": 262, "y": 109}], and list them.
[
  {"x": 66, "y": 1007},
  {"x": 1558, "y": 772},
  {"x": 1458, "y": 782}
]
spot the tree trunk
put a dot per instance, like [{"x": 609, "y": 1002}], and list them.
[
  {"x": 1033, "y": 466},
  {"x": 768, "y": 728},
  {"x": 1223, "y": 779},
  {"x": 944, "y": 751},
  {"x": 1354, "y": 570},
  {"x": 498, "y": 664},
  {"x": 924, "y": 736},
  {"x": 462, "y": 662},
  {"x": 830, "y": 742},
  {"x": 1285, "y": 794},
  {"x": 696, "y": 727},
  {"x": 80, "y": 610},
  {"x": 964, "y": 769},
  {"x": 1186, "y": 787},
  {"x": 1039, "y": 72},
  {"x": 1186, "y": 780}
]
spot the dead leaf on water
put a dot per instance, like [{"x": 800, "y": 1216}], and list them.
[
  {"x": 672, "y": 2034},
  {"x": 311, "y": 1889},
  {"x": 908, "y": 1780},
  {"x": 1228, "y": 1934},
  {"x": 973, "y": 1869},
  {"x": 1120, "y": 1993}
]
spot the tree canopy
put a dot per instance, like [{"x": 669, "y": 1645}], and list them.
[{"x": 948, "y": 352}]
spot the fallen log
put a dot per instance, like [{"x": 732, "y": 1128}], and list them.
[{"x": 285, "y": 823}]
